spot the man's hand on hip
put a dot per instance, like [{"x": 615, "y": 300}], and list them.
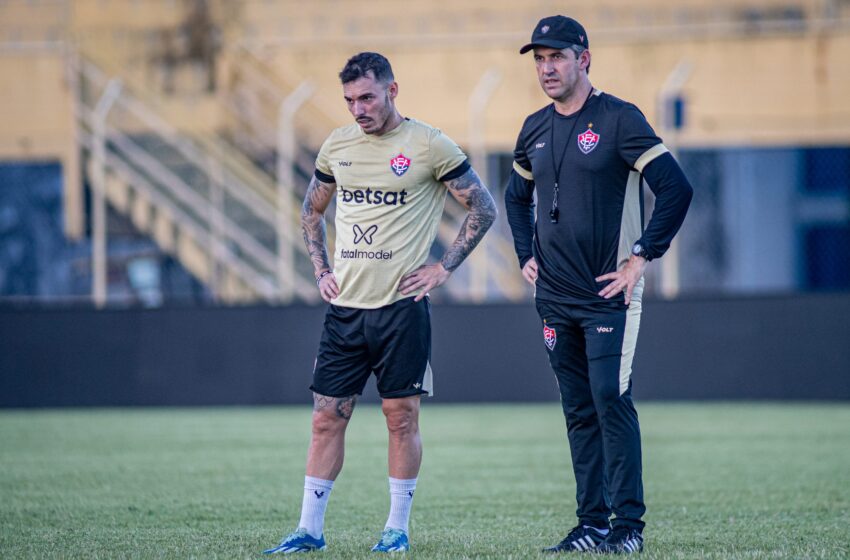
[
  {"x": 424, "y": 278},
  {"x": 529, "y": 271},
  {"x": 624, "y": 280},
  {"x": 328, "y": 287}
]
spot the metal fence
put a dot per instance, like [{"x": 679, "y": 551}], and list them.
[{"x": 762, "y": 221}]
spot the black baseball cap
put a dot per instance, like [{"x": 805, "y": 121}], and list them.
[{"x": 557, "y": 32}]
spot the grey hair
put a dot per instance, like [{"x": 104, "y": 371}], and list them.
[{"x": 577, "y": 50}]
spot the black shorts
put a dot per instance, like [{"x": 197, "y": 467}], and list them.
[{"x": 393, "y": 341}]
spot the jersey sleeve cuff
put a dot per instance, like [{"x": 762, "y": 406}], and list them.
[
  {"x": 324, "y": 177},
  {"x": 456, "y": 172},
  {"x": 523, "y": 172}
]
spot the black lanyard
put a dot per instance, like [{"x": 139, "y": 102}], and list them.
[{"x": 556, "y": 166}]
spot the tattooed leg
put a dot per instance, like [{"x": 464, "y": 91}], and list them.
[
  {"x": 327, "y": 445},
  {"x": 345, "y": 407}
]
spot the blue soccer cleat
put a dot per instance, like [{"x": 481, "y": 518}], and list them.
[
  {"x": 299, "y": 541},
  {"x": 392, "y": 540}
]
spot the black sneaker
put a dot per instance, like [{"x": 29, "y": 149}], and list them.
[
  {"x": 582, "y": 539},
  {"x": 621, "y": 540}
]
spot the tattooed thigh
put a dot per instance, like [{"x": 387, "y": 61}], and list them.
[{"x": 342, "y": 406}]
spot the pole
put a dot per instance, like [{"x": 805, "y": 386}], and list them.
[
  {"x": 286, "y": 152},
  {"x": 478, "y": 101},
  {"x": 668, "y": 95},
  {"x": 216, "y": 179},
  {"x": 101, "y": 111}
]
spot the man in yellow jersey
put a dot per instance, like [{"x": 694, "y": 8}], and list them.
[{"x": 390, "y": 175}]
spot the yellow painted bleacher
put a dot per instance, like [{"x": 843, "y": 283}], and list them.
[
  {"x": 761, "y": 72},
  {"x": 764, "y": 71}
]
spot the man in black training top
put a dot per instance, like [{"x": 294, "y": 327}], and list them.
[{"x": 586, "y": 155}]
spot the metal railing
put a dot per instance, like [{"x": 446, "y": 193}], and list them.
[
  {"x": 227, "y": 219},
  {"x": 276, "y": 251},
  {"x": 257, "y": 100}
]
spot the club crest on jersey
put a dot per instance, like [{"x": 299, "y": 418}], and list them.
[
  {"x": 587, "y": 141},
  {"x": 400, "y": 164},
  {"x": 550, "y": 337}
]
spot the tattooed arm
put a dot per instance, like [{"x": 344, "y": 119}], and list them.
[
  {"x": 319, "y": 195},
  {"x": 474, "y": 196}
]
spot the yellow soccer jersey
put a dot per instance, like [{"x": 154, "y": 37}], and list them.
[{"x": 389, "y": 202}]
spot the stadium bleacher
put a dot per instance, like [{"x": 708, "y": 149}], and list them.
[{"x": 761, "y": 74}]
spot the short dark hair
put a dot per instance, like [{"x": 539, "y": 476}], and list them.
[{"x": 360, "y": 64}]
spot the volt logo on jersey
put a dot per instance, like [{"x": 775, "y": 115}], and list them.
[
  {"x": 400, "y": 164},
  {"x": 587, "y": 141},
  {"x": 364, "y": 235},
  {"x": 550, "y": 337}
]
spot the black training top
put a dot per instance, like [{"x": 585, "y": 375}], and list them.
[{"x": 602, "y": 152}]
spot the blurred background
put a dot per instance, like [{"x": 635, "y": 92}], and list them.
[{"x": 154, "y": 155}]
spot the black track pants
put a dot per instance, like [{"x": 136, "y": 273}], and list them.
[{"x": 590, "y": 349}]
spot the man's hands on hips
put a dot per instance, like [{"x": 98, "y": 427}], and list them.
[
  {"x": 624, "y": 280},
  {"x": 328, "y": 288},
  {"x": 529, "y": 271},
  {"x": 424, "y": 278}
]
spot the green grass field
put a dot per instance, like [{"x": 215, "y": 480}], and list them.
[{"x": 721, "y": 480}]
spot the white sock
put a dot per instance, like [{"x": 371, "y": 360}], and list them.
[
  {"x": 401, "y": 500},
  {"x": 316, "y": 494},
  {"x": 601, "y": 531}
]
